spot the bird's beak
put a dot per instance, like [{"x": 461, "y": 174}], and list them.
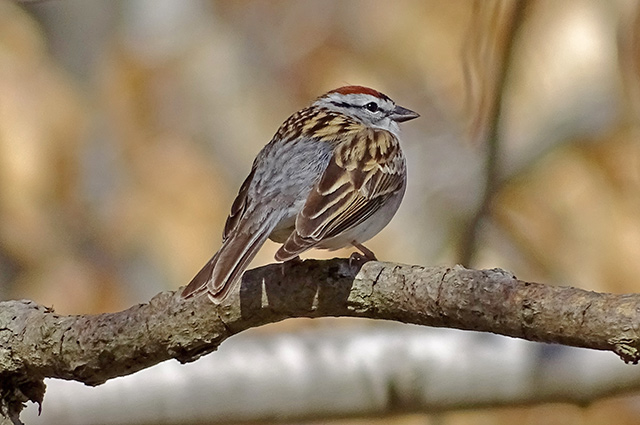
[{"x": 401, "y": 114}]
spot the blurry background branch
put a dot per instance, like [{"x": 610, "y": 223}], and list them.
[
  {"x": 488, "y": 51},
  {"x": 293, "y": 377},
  {"x": 92, "y": 349}
]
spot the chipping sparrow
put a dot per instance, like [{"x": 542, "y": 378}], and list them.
[{"x": 332, "y": 176}]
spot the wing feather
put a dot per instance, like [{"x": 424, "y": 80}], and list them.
[
  {"x": 239, "y": 206},
  {"x": 363, "y": 174}
]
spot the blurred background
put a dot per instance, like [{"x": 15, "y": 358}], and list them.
[{"x": 126, "y": 128}]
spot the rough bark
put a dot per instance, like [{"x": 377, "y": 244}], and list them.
[{"x": 36, "y": 343}]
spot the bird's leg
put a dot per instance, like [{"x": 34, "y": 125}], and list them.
[
  {"x": 368, "y": 254},
  {"x": 357, "y": 257}
]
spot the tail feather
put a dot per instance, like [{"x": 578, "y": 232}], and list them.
[
  {"x": 222, "y": 273},
  {"x": 232, "y": 263},
  {"x": 200, "y": 281}
]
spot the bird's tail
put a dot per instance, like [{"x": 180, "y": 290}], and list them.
[{"x": 222, "y": 273}]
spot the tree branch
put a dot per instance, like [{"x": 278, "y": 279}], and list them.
[{"x": 36, "y": 343}]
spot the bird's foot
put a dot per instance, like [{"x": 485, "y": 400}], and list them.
[
  {"x": 359, "y": 258},
  {"x": 366, "y": 252}
]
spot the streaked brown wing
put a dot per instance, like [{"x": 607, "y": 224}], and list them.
[
  {"x": 363, "y": 174},
  {"x": 238, "y": 207}
]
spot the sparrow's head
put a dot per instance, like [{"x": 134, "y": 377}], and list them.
[{"x": 367, "y": 105}]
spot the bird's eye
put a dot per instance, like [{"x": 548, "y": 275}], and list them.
[{"x": 371, "y": 106}]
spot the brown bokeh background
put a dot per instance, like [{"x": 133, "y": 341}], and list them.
[{"x": 127, "y": 127}]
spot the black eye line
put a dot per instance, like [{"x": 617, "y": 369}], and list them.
[
  {"x": 350, "y": 105},
  {"x": 344, "y": 104}
]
